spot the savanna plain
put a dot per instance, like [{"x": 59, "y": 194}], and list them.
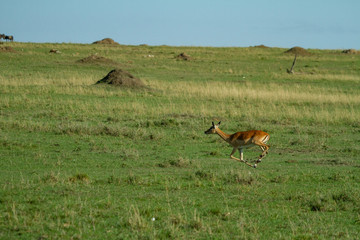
[{"x": 80, "y": 160}]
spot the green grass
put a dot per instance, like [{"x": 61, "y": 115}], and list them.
[{"x": 83, "y": 161}]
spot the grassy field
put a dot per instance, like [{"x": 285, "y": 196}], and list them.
[{"x": 85, "y": 161}]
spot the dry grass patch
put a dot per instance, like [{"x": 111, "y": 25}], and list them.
[
  {"x": 7, "y": 49},
  {"x": 257, "y": 92},
  {"x": 98, "y": 60}
]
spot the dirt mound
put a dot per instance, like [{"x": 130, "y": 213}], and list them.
[
  {"x": 183, "y": 56},
  {"x": 95, "y": 59},
  {"x": 6, "y": 49},
  {"x": 119, "y": 77},
  {"x": 350, "y": 51},
  {"x": 54, "y": 51},
  {"x": 108, "y": 41},
  {"x": 261, "y": 46},
  {"x": 298, "y": 51}
]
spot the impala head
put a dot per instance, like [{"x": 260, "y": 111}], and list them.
[{"x": 213, "y": 128}]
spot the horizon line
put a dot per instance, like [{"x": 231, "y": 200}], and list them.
[{"x": 167, "y": 45}]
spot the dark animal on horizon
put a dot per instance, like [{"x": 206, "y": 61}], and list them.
[{"x": 9, "y": 38}]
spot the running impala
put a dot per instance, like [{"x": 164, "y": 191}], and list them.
[{"x": 241, "y": 140}]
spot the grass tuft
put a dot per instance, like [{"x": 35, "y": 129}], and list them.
[
  {"x": 79, "y": 178},
  {"x": 239, "y": 178}
]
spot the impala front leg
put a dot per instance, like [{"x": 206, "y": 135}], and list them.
[{"x": 240, "y": 160}]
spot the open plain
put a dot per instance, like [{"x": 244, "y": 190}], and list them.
[{"x": 80, "y": 160}]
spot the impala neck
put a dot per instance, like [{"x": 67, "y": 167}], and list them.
[{"x": 223, "y": 135}]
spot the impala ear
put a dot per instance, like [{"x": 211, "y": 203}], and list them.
[{"x": 219, "y": 123}]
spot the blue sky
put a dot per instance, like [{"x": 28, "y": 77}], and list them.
[{"x": 324, "y": 24}]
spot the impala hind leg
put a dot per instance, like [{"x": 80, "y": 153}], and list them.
[
  {"x": 264, "y": 148},
  {"x": 264, "y": 151}
]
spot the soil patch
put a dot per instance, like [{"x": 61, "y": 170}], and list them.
[
  {"x": 119, "y": 77},
  {"x": 6, "y": 49},
  {"x": 95, "y": 59},
  {"x": 350, "y": 51},
  {"x": 183, "y": 56},
  {"x": 107, "y": 41},
  {"x": 298, "y": 51}
]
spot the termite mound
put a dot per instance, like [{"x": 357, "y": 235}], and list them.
[{"x": 119, "y": 77}]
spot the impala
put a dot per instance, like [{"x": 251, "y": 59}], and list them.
[{"x": 241, "y": 140}]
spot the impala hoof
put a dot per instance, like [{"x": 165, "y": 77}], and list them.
[{"x": 255, "y": 166}]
